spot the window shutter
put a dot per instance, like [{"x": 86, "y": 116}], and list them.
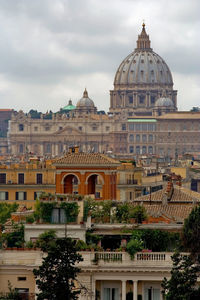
[
  {"x": 25, "y": 196},
  {"x": 17, "y": 195},
  {"x": 6, "y": 195}
]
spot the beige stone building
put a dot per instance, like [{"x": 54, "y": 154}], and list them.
[
  {"x": 142, "y": 120},
  {"x": 106, "y": 275}
]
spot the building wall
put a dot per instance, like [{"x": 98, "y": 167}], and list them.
[
  {"x": 26, "y": 193},
  {"x": 132, "y": 275}
]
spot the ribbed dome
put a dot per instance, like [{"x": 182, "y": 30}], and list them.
[
  {"x": 85, "y": 101},
  {"x": 143, "y": 66},
  {"x": 164, "y": 102}
]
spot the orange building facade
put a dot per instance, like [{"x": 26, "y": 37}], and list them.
[{"x": 91, "y": 174}]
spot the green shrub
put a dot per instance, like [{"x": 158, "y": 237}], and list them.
[
  {"x": 71, "y": 210},
  {"x": 29, "y": 244},
  {"x": 46, "y": 240},
  {"x": 81, "y": 245},
  {"x": 138, "y": 213},
  {"x": 6, "y": 210},
  {"x": 30, "y": 219},
  {"x": 133, "y": 246}
]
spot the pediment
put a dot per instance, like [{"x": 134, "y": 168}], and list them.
[{"x": 68, "y": 130}]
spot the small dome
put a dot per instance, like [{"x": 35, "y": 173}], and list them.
[
  {"x": 85, "y": 101},
  {"x": 69, "y": 107},
  {"x": 164, "y": 102}
]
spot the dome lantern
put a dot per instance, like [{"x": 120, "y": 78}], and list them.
[{"x": 143, "y": 42}]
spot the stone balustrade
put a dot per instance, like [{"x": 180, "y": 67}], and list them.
[{"x": 90, "y": 259}]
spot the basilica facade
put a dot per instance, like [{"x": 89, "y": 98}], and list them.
[{"x": 142, "y": 119}]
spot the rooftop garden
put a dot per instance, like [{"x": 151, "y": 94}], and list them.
[{"x": 113, "y": 212}]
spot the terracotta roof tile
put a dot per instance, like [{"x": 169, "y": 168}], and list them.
[
  {"x": 174, "y": 212},
  {"x": 92, "y": 159},
  {"x": 180, "y": 194}
]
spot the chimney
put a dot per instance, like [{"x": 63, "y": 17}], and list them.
[{"x": 169, "y": 190}]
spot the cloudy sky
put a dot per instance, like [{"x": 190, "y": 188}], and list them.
[{"x": 50, "y": 50}]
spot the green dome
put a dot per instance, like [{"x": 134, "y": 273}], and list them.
[{"x": 70, "y": 106}]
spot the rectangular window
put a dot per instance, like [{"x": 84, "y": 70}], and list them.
[
  {"x": 35, "y": 128},
  {"x": 111, "y": 294},
  {"x": 151, "y": 127},
  {"x": 107, "y": 128},
  {"x": 137, "y": 138},
  {"x": 144, "y": 126},
  {"x": 21, "y": 148},
  {"x": 58, "y": 216},
  {"x": 131, "y": 138},
  {"x": 150, "y": 138},
  {"x": 21, "y": 278},
  {"x": 39, "y": 178},
  {"x": 144, "y": 138},
  {"x": 137, "y": 127},
  {"x": 130, "y": 99},
  {"x": 123, "y": 126},
  {"x": 80, "y": 128},
  {"x": 20, "y": 195},
  {"x": 131, "y": 126},
  {"x": 21, "y": 127},
  {"x": 3, "y": 195},
  {"x": 131, "y": 149},
  {"x": 3, "y": 178},
  {"x": 21, "y": 178},
  {"x": 37, "y": 195},
  {"x": 141, "y": 99}
]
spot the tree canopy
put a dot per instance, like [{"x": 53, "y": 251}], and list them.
[
  {"x": 181, "y": 285},
  {"x": 56, "y": 276},
  {"x": 191, "y": 232}
]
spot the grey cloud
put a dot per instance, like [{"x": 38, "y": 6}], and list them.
[{"x": 45, "y": 42}]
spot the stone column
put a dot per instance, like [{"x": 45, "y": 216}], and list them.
[
  {"x": 135, "y": 289},
  {"x": 148, "y": 100},
  {"x": 41, "y": 149},
  {"x": 136, "y": 97},
  {"x": 93, "y": 288},
  {"x": 123, "y": 289},
  {"x": 56, "y": 149}
]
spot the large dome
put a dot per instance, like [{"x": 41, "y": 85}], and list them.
[
  {"x": 140, "y": 79},
  {"x": 143, "y": 66}
]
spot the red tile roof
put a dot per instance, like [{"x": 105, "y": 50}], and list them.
[{"x": 86, "y": 159}]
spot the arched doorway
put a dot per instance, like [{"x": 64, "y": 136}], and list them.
[
  {"x": 71, "y": 184},
  {"x": 95, "y": 183}
]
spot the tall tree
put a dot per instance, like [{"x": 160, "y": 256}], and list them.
[
  {"x": 181, "y": 285},
  {"x": 191, "y": 232},
  {"x": 55, "y": 277}
]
